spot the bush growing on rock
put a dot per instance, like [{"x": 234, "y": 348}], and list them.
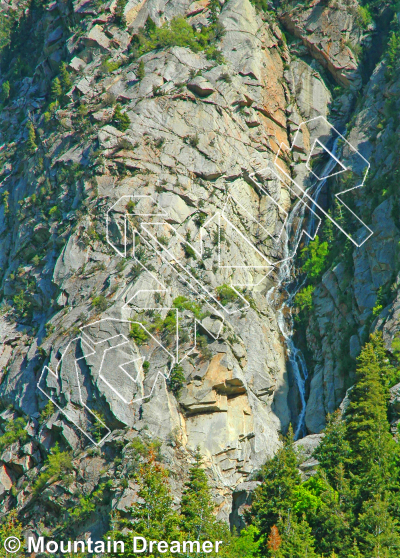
[
  {"x": 178, "y": 32},
  {"x": 120, "y": 119},
  {"x": 138, "y": 334},
  {"x": 314, "y": 258},
  {"x": 58, "y": 464},
  {"x": 226, "y": 294},
  {"x": 100, "y": 303},
  {"x": 14, "y": 431},
  {"x": 304, "y": 302},
  {"x": 5, "y": 91}
]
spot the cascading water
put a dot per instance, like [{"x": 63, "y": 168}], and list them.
[{"x": 287, "y": 287}]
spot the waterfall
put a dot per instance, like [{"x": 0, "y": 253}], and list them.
[{"x": 287, "y": 287}]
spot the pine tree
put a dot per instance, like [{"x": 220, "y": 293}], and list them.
[
  {"x": 140, "y": 71},
  {"x": 214, "y": 7},
  {"x": 332, "y": 522},
  {"x": 65, "y": 79},
  {"x": 297, "y": 539},
  {"x": 328, "y": 234},
  {"x": 354, "y": 551},
  {"x": 149, "y": 26},
  {"x": 152, "y": 516},
  {"x": 378, "y": 531},
  {"x": 119, "y": 14},
  {"x": 334, "y": 449},
  {"x": 275, "y": 496},
  {"x": 274, "y": 541},
  {"x": 197, "y": 508},
  {"x": 56, "y": 90},
  {"x": 31, "y": 141},
  {"x": 373, "y": 448}
]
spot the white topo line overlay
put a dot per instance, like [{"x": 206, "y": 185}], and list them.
[{"x": 154, "y": 219}]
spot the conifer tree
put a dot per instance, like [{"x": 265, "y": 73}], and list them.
[
  {"x": 31, "y": 141},
  {"x": 149, "y": 26},
  {"x": 140, "y": 71},
  {"x": 333, "y": 523},
  {"x": 378, "y": 530},
  {"x": 297, "y": 539},
  {"x": 373, "y": 448},
  {"x": 274, "y": 541},
  {"x": 275, "y": 497},
  {"x": 56, "y": 90},
  {"x": 65, "y": 79},
  {"x": 334, "y": 449},
  {"x": 119, "y": 14},
  {"x": 152, "y": 516},
  {"x": 197, "y": 508}
]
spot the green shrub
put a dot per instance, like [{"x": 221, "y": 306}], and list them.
[
  {"x": 110, "y": 65},
  {"x": 49, "y": 328},
  {"x": 364, "y": 16},
  {"x": 58, "y": 464},
  {"x": 100, "y": 303},
  {"x": 183, "y": 303},
  {"x": 193, "y": 140},
  {"x": 14, "y": 431},
  {"x": 200, "y": 218},
  {"x": 20, "y": 302},
  {"x": 226, "y": 294},
  {"x": 314, "y": 258},
  {"x": 54, "y": 212},
  {"x": 202, "y": 343},
  {"x": 303, "y": 299},
  {"x": 138, "y": 334},
  {"x": 130, "y": 206},
  {"x": 120, "y": 119},
  {"x": 87, "y": 504},
  {"x": 178, "y": 32},
  {"x": 260, "y": 5},
  {"x": 5, "y": 91},
  {"x": 138, "y": 445},
  {"x": 189, "y": 252},
  {"x": 47, "y": 411}
]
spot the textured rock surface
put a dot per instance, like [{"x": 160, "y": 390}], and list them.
[{"x": 198, "y": 129}]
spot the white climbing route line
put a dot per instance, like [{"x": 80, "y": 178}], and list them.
[{"x": 137, "y": 225}]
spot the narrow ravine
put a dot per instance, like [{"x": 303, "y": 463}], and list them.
[{"x": 281, "y": 295}]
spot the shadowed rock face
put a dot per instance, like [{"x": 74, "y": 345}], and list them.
[{"x": 198, "y": 129}]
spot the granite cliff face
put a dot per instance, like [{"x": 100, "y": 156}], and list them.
[{"x": 199, "y": 125}]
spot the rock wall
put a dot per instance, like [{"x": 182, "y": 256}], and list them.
[{"x": 199, "y": 127}]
